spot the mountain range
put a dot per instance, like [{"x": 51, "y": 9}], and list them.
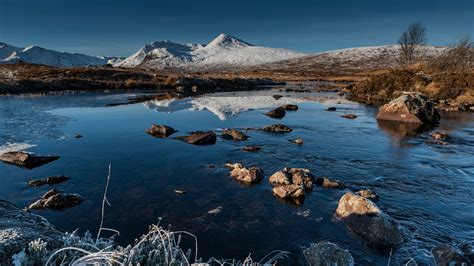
[{"x": 225, "y": 52}]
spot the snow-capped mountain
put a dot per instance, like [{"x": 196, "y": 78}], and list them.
[
  {"x": 366, "y": 58},
  {"x": 37, "y": 55},
  {"x": 223, "y": 52}
]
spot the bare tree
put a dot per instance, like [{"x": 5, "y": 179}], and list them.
[
  {"x": 459, "y": 57},
  {"x": 411, "y": 40}
]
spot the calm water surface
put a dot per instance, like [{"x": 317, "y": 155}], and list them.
[{"x": 428, "y": 188}]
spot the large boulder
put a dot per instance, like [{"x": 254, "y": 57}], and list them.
[
  {"x": 327, "y": 254},
  {"x": 278, "y": 112},
  {"x": 364, "y": 218},
  {"x": 278, "y": 128},
  {"x": 18, "y": 228},
  {"x": 55, "y": 199},
  {"x": 300, "y": 177},
  {"x": 234, "y": 134},
  {"x": 26, "y": 160},
  {"x": 50, "y": 180},
  {"x": 410, "y": 107},
  {"x": 252, "y": 175},
  {"x": 199, "y": 138},
  {"x": 160, "y": 131}
]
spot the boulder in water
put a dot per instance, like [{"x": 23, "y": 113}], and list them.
[
  {"x": 278, "y": 128},
  {"x": 50, "y": 180},
  {"x": 290, "y": 107},
  {"x": 160, "y": 131},
  {"x": 364, "y": 218},
  {"x": 55, "y": 199},
  {"x": 289, "y": 191},
  {"x": 26, "y": 160},
  {"x": 234, "y": 134},
  {"x": 276, "y": 113},
  {"x": 411, "y": 107},
  {"x": 252, "y": 175},
  {"x": 328, "y": 183},
  {"x": 199, "y": 138}
]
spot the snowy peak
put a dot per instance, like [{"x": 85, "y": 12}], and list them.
[
  {"x": 225, "y": 51},
  {"x": 6, "y": 50},
  {"x": 226, "y": 41}
]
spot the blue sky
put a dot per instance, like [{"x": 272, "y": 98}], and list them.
[{"x": 119, "y": 28}]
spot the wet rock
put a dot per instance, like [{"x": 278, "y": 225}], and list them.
[
  {"x": 298, "y": 141},
  {"x": 200, "y": 138},
  {"x": 349, "y": 116},
  {"x": 289, "y": 191},
  {"x": 364, "y": 218},
  {"x": 179, "y": 192},
  {"x": 280, "y": 178},
  {"x": 26, "y": 160},
  {"x": 331, "y": 109},
  {"x": 78, "y": 136},
  {"x": 297, "y": 176},
  {"x": 277, "y": 96},
  {"x": 411, "y": 107},
  {"x": 290, "y": 107},
  {"x": 55, "y": 199},
  {"x": 327, "y": 254},
  {"x": 50, "y": 180},
  {"x": 368, "y": 194},
  {"x": 234, "y": 134},
  {"x": 252, "y": 175},
  {"x": 160, "y": 131},
  {"x": 251, "y": 148},
  {"x": 216, "y": 210},
  {"x": 278, "y": 128},
  {"x": 446, "y": 255},
  {"x": 18, "y": 228},
  {"x": 328, "y": 183},
  {"x": 439, "y": 135},
  {"x": 276, "y": 113}
]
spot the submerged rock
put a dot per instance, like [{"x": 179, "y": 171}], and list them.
[
  {"x": 160, "y": 131},
  {"x": 26, "y": 160},
  {"x": 289, "y": 191},
  {"x": 368, "y": 194},
  {"x": 199, "y": 138},
  {"x": 276, "y": 113},
  {"x": 278, "y": 128},
  {"x": 298, "y": 141},
  {"x": 277, "y": 96},
  {"x": 252, "y": 175},
  {"x": 251, "y": 148},
  {"x": 439, "y": 135},
  {"x": 411, "y": 107},
  {"x": 55, "y": 199},
  {"x": 327, "y": 254},
  {"x": 290, "y": 107},
  {"x": 328, "y": 183},
  {"x": 364, "y": 218},
  {"x": 50, "y": 180},
  {"x": 447, "y": 255},
  {"x": 78, "y": 136},
  {"x": 18, "y": 228},
  {"x": 331, "y": 109},
  {"x": 349, "y": 116},
  {"x": 234, "y": 134}
]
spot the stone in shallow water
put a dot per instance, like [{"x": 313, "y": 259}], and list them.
[
  {"x": 328, "y": 183},
  {"x": 276, "y": 113},
  {"x": 160, "y": 131},
  {"x": 368, "y": 194},
  {"x": 364, "y": 218},
  {"x": 331, "y": 109},
  {"x": 199, "y": 138},
  {"x": 298, "y": 141},
  {"x": 327, "y": 254},
  {"x": 278, "y": 128},
  {"x": 252, "y": 175},
  {"x": 234, "y": 134},
  {"x": 55, "y": 199},
  {"x": 26, "y": 160},
  {"x": 50, "y": 180},
  {"x": 251, "y": 148},
  {"x": 447, "y": 255},
  {"x": 410, "y": 107},
  {"x": 289, "y": 191},
  {"x": 349, "y": 116}
]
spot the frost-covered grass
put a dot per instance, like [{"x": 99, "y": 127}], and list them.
[{"x": 160, "y": 246}]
